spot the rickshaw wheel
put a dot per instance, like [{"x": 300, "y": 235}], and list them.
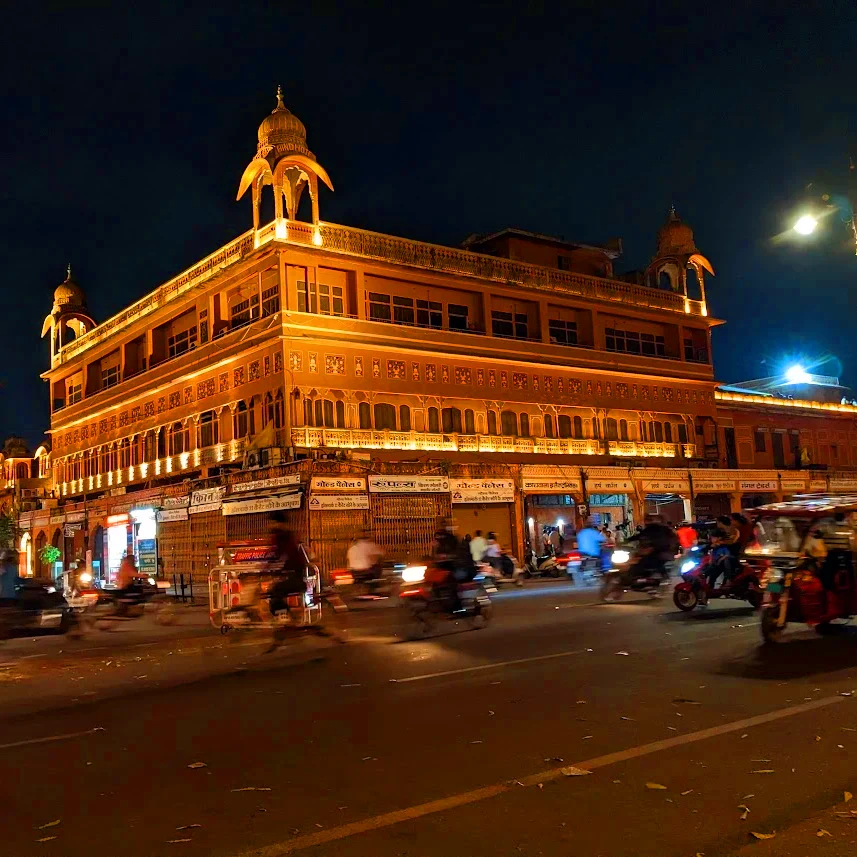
[
  {"x": 771, "y": 633},
  {"x": 224, "y": 629}
]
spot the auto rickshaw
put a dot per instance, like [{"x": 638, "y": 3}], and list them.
[{"x": 804, "y": 550}]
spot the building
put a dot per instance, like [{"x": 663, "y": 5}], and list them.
[{"x": 360, "y": 380}]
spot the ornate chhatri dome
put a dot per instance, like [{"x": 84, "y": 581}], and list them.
[
  {"x": 68, "y": 293},
  {"x": 675, "y": 238},
  {"x": 282, "y": 129}
]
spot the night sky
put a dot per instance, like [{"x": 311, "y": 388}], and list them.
[{"x": 126, "y": 133}]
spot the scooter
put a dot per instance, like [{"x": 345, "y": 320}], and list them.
[
  {"x": 628, "y": 575},
  {"x": 427, "y": 606},
  {"x": 694, "y": 589},
  {"x": 506, "y": 571},
  {"x": 541, "y": 566}
]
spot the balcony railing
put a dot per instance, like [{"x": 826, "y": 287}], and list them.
[
  {"x": 449, "y": 260},
  {"x": 431, "y": 442}
]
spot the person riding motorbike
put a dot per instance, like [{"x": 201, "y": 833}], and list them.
[
  {"x": 443, "y": 572},
  {"x": 364, "y": 559},
  {"x": 659, "y": 545}
]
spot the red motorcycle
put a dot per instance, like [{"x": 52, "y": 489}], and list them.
[{"x": 695, "y": 589}]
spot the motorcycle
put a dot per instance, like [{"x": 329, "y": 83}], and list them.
[
  {"x": 627, "y": 574},
  {"x": 694, "y": 588},
  {"x": 541, "y": 566},
  {"x": 506, "y": 571},
  {"x": 428, "y": 604},
  {"x": 113, "y": 606},
  {"x": 374, "y": 585},
  {"x": 38, "y": 607}
]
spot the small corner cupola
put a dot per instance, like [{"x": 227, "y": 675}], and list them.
[
  {"x": 285, "y": 162},
  {"x": 678, "y": 266},
  {"x": 69, "y": 317}
]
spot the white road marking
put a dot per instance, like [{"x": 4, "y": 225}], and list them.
[
  {"x": 535, "y": 658},
  {"x": 333, "y": 834},
  {"x": 48, "y": 739}
]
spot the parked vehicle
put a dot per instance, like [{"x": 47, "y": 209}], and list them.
[
  {"x": 429, "y": 603},
  {"x": 39, "y": 607},
  {"x": 694, "y": 589},
  {"x": 803, "y": 580},
  {"x": 545, "y": 565}
]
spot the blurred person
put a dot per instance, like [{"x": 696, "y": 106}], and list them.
[
  {"x": 364, "y": 558},
  {"x": 478, "y": 545}
]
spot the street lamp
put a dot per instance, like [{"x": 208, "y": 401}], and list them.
[
  {"x": 805, "y": 225},
  {"x": 797, "y": 375}
]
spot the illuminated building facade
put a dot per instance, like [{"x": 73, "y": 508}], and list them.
[{"x": 356, "y": 379}]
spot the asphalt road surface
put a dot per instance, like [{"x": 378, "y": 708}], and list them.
[{"x": 566, "y": 727}]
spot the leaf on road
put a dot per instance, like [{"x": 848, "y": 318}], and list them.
[
  {"x": 571, "y": 771},
  {"x": 848, "y": 796},
  {"x": 46, "y": 839},
  {"x": 685, "y": 793},
  {"x": 822, "y": 832},
  {"x": 197, "y": 765},
  {"x": 672, "y": 728},
  {"x": 763, "y": 835},
  {"x": 176, "y": 841},
  {"x": 818, "y": 737},
  {"x": 188, "y": 826},
  {"x": 655, "y": 786},
  {"x": 624, "y": 654},
  {"x": 764, "y": 771},
  {"x": 628, "y": 718},
  {"x": 746, "y": 811},
  {"x": 680, "y": 700},
  {"x": 747, "y": 797},
  {"x": 586, "y": 737},
  {"x": 745, "y": 735},
  {"x": 251, "y": 789},
  {"x": 49, "y": 824}
]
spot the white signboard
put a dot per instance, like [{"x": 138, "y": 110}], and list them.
[
  {"x": 339, "y": 501},
  {"x": 206, "y": 500},
  {"x": 265, "y": 484},
  {"x": 73, "y": 517},
  {"x": 712, "y": 483},
  {"x": 408, "y": 484},
  {"x": 482, "y": 490},
  {"x": 836, "y": 484},
  {"x": 792, "y": 485},
  {"x": 609, "y": 486},
  {"x": 338, "y": 483},
  {"x": 57, "y": 519},
  {"x": 176, "y": 502},
  {"x": 550, "y": 485},
  {"x": 262, "y": 504},
  {"x": 665, "y": 486},
  {"x": 753, "y": 485},
  {"x": 818, "y": 485},
  {"x": 172, "y": 515}
]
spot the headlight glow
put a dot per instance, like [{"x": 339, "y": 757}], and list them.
[
  {"x": 50, "y": 589},
  {"x": 414, "y": 573},
  {"x": 85, "y": 577},
  {"x": 688, "y": 566},
  {"x": 151, "y": 581},
  {"x": 620, "y": 557}
]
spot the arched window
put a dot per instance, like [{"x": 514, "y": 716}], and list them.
[
  {"x": 307, "y": 412},
  {"x": 682, "y": 433},
  {"x": 125, "y": 453},
  {"x": 658, "y": 429},
  {"x": 433, "y": 421},
  {"x": 404, "y": 418},
  {"x": 578, "y": 428},
  {"x": 509, "y": 423},
  {"x": 75, "y": 467},
  {"x": 243, "y": 423},
  {"x": 150, "y": 446},
  {"x": 612, "y": 429},
  {"x": 340, "y": 413},
  {"x": 668, "y": 432},
  {"x": 492, "y": 422},
  {"x": 549, "y": 426},
  {"x": 525, "y": 425},
  {"x": 564, "y": 425},
  {"x": 596, "y": 430},
  {"x": 385, "y": 416},
  {"x": 364, "y": 412},
  {"x": 136, "y": 449},
  {"x": 209, "y": 429},
  {"x": 623, "y": 429},
  {"x": 279, "y": 410},
  {"x": 329, "y": 421},
  {"x": 643, "y": 432},
  {"x": 267, "y": 409},
  {"x": 22, "y": 471},
  {"x": 469, "y": 422},
  {"x": 178, "y": 439},
  {"x": 319, "y": 413},
  {"x": 104, "y": 466},
  {"x": 451, "y": 418},
  {"x": 665, "y": 281}
]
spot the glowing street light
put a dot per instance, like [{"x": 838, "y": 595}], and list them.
[
  {"x": 805, "y": 225},
  {"x": 797, "y": 375}
]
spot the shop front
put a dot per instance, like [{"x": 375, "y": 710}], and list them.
[
  {"x": 845, "y": 484},
  {"x": 611, "y": 497},
  {"x": 338, "y": 515},
  {"x": 131, "y": 532},
  {"x": 249, "y": 505},
  {"x": 406, "y": 512},
  {"x": 793, "y": 483},
  {"x": 486, "y": 505},
  {"x": 666, "y": 493},
  {"x": 758, "y": 488},
  {"x": 712, "y": 493},
  {"x": 552, "y": 499}
]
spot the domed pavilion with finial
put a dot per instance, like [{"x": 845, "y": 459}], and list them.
[
  {"x": 69, "y": 316},
  {"x": 283, "y": 161}
]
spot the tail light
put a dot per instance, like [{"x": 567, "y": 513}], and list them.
[
  {"x": 294, "y": 600},
  {"x": 235, "y": 591}
]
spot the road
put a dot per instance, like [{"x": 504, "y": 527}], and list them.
[{"x": 692, "y": 737}]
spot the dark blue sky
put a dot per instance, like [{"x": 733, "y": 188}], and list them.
[{"x": 126, "y": 133}]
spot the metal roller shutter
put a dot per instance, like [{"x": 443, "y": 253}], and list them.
[
  {"x": 405, "y": 524},
  {"x": 331, "y": 532},
  {"x": 488, "y": 517}
]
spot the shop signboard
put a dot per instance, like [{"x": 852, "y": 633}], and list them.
[
  {"x": 712, "y": 482},
  {"x": 338, "y": 483},
  {"x": 791, "y": 485},
  {"x": 57, "y": 519},
  {"x": 206, "y": 500},
  {"x": 840, "y": 483},
  {"x": 262, "y": 504},
  {"x": 267, "y": 484},
  {"x": 70, "y": 529},
  {"x": 609, "y": 485},
  {"x": 339, "y": 502},
  {"x": 172, "y": 514},
  {"x": 408, "y": 484},
  {"x": 817, "y": 485},
  {"x": 75, "y": 517},
  {"x": 147, "y": 557},
  {"x": 752, "y": 486},
  {"x": 176, "y": 502},
  {"x": 551, "y": 485},
  {"x": 482, "y": 490},
  {"x": 665, "y": 486}
]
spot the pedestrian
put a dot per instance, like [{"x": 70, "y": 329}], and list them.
[
  {"x": 478, "y": 545},
  {"x": 8, "y": 589}
]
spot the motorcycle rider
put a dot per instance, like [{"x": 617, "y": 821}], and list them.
[
  {"x": 589, "y": 543},
  {"x": 661, "y": 545},
  {"x": 364, "y": 559}
]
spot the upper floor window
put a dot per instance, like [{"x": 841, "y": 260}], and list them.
[
  {"x": 385, "y": 416},
  {"x": 512, "y": 325},
  {"x": 509, "y": 423},
  {"x": 109, "y": 376},
  {"x": 74, "y": 390},
  {"x": 430, "y": 314},
  {"x": 562, "y": 332},
  {"x": 179, "y": 440},
  {"x": 243, "y": 421},
  {"x": 380, "y": 307},
  {"x": 458, "y": 316},
  {"x": 451, "y": 420},
  {"x": 321, "y": 298},
  {"x": 759, "y": 439},
  {"x": 433, "y": 421},
  {"x": 404, "y": 418},
  {"x": 563, "y": 263},
  {"x": 632, "y": 342},
  {"x": 695, "y": 352},
  {"x": 180, "y": 342},
  {"x": 271, "y": 301},
  {"x": 209, "y": 429}
]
